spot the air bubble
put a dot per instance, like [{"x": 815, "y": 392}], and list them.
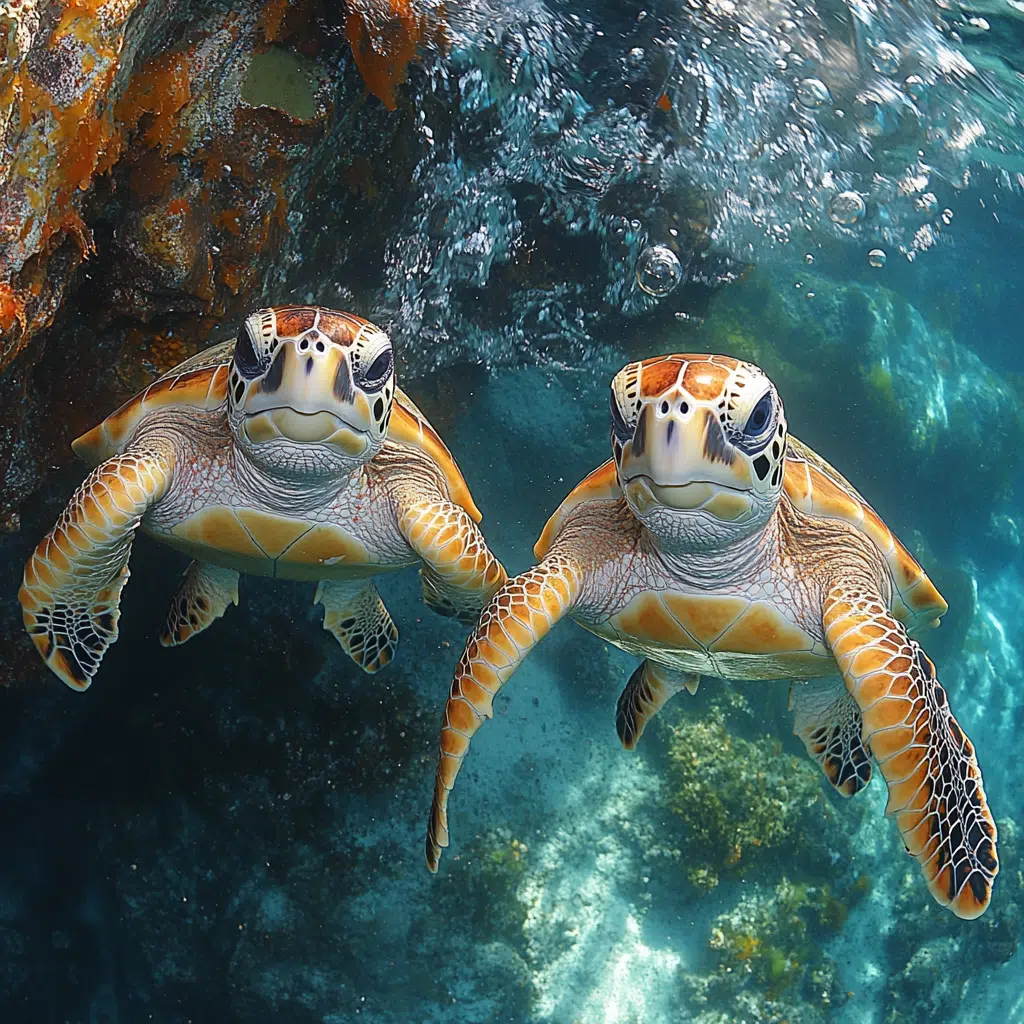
[
  {"x": 877, "y": 258},
  {"x": 812, "y": 93},
  {"x": 658, "y": 270},
  {"x": 885, "y": 58},
  {"x": 914, "y": 87},
  {"x": 636, "y": 57},
  {"x": 846, "y": 208}
]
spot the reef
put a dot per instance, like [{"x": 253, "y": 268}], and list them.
[
  {"x": 768, "y": 959},
  {"x": 160, "y": 162},
  {"x": 747, "y": 806}
]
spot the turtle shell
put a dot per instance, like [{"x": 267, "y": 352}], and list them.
[
  {"x": 814, "y": 487},
  {"x": 200, "y": 382}
]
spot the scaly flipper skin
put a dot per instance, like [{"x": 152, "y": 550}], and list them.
[
  {"x": 355, "y": 615},
  {"x": 828, "y": 720},
  {"x": 649, "y": 688},
  {"x": 459, "y": 573},
  {"x": 518, "y": 617},
  {"x": 935, "y": 787},
  {"x": 71, "y": 590},
  {"x": 203, "y": 597}
]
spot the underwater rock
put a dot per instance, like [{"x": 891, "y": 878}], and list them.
[{"x": 178, "y": 149}]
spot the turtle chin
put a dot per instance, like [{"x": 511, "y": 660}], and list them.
[
  {"x": 696, "y": 514},
  {"x": 297, "y": 444}
]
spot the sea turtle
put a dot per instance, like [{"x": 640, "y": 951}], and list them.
[
  {"x": 286, "y": 452},
  {"x": 713, "y": 544}
]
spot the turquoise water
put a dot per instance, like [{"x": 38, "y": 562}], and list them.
[{"x": 232, "y": 831}]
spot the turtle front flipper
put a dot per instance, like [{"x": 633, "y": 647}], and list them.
[
  {"x": 355, "y": 615},
  {"x": 828, "y": 720},
  {"x": 649, "y": 688},
  {"x": 459, "y": 571},
  {"x": 518, "y": 617},
  {"x": 935, "y": 786},
  {"x": 203, "y": 597},
  {"x": 71, "y": 591}
]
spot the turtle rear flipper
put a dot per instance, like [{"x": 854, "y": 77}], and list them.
[
  {"x": 71, "y": 591},
  {"x": 203, "y": 597},
  {"x": 356, "y": 617},
  {"x": 928, "y": 763},
  {"x": 828, "y": 720},
  {"x": 649, "y": 688}
]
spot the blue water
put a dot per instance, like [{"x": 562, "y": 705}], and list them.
[{"x": 232, "y": 831}]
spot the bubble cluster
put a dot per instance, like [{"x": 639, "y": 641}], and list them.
[
  {"x": 658, "y": 270},
  {"x": 846, "y": 208}
]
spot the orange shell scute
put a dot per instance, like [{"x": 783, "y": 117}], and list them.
[
  {"x": 601, "y": 485},
  {"x": 200, "y": 389},
  {"x": 815, "y": 487},
  {"x": 409, "y": 426}
]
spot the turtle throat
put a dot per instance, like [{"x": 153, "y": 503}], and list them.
[{"x": 283, "y": 485}]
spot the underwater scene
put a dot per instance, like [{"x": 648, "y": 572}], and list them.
[{"x": 658, "y": 359}]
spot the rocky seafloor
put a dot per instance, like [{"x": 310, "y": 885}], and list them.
[{"x": 232, "y": 831}]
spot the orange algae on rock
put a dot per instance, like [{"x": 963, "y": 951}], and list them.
[
  {"x": 386, "y": 36},
  {"x": 271, "y": 22},
  {"x": 59, "y": 137},
  {"x": 158, "y": 92}
]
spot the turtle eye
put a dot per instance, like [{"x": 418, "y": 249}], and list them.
[
  {"x": 620, "y": 427},
  {"x": 760, "y": 417},
  {"x": 247, "y": 362},
  {"x": 376, "y": 374}
]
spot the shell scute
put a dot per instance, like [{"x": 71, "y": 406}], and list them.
[
  {"x": 761, "y": 629},
  {"x": 203, "y": 388},
  {"x": 409, "y": 426},
  {"x": 647, "y": 618},
  {"x": 815, "y": 487},
  {"x": 600, "y": 485},
  {"x": 705, "y": 618}
]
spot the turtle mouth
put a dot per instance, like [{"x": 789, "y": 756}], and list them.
[
  {"x": 721, "y": 500},
  {"x": 321, "y": 427}
]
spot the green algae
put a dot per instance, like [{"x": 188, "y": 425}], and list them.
[{"x": 284, "y": 79}]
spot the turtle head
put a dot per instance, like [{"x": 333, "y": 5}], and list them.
[
  {"x": 699, "y": 445},
  {"x": 310, "y": 390}
]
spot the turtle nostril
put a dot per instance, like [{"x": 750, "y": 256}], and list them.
[
  {"x": 664, "y": 408},
  {"x": 320, "y": 346},
  {"x": 684, "y": 408}
]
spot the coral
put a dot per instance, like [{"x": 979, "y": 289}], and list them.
[
  {"x": 746, "y": 805},
  {"x": 767, "y": 950}
]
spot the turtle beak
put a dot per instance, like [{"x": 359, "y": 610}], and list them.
[
  {"x": 680, "y": 457},
  {"x": 308, "y": 396}
]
